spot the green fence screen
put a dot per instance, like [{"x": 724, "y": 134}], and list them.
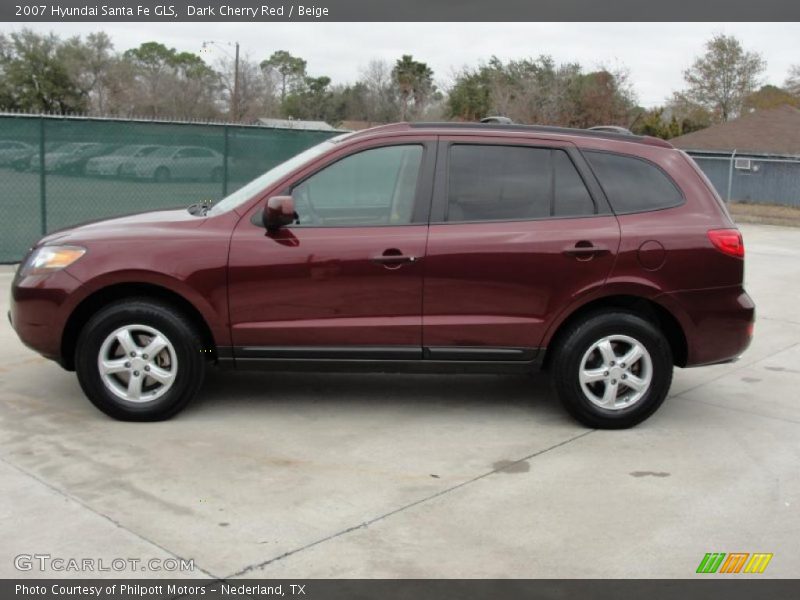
[{"x": 61, "y": 171}]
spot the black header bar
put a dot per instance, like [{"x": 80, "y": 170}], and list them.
[{"x": 399, "y": 10}]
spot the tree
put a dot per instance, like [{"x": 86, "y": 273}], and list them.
[
  {"x": 381, "y": 98},
  {"x": 151, "y": 64},
  {"x": 89, "y": 65},
  {"x": 314, "y": 101},
  {"x": 723, "y": 77},
  {"x": 414, "y": 80},
  {"x": 654, "y": 122},
  {"x": 541, "y": 91},
  {"x": 170, "y": 83},
  {"x": 194, "y": 87},
  {"x": 257, "y": 90},
  {"x": 289, "y": 70},
  {"x": 793, "y": 81},
  {"x": 689, "y": 115},
  {"x": 35, "y": 76},
  {"x": 770, "y": 96}
]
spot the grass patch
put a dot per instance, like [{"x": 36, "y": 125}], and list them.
[{"x": 765, "y": 214}]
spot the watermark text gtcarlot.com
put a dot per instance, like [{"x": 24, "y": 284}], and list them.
[{"x": 60, "y": 564}]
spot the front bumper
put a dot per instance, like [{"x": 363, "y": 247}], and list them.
[{"x": 38, "y": 310}]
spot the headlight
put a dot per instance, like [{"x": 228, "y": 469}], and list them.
[{"x": 51, "y": 258}]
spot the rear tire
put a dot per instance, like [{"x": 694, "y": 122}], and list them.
[
  {"x": 592, "y": 378},
  {"x": 139, "y": 360}
]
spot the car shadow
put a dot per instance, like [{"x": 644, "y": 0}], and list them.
[{"x": 374, "y": 389}]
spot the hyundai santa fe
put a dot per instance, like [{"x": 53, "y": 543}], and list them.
[{"x": 604, "y": 258}]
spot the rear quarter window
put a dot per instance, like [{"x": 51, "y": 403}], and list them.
[{"x": 633, "y": 184}]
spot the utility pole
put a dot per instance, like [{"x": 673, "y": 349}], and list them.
[{"x": 236, "y": 84}]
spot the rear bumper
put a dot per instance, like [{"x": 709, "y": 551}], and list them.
[
  {"x": 38, "y": 313},
  {"x": 717, "y": 322}
]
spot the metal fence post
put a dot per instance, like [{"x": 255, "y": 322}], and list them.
[
  {"x": 730, "y": 174},
  {"x": 42, "y": 188},
  {"x": 225, "y": 161}
]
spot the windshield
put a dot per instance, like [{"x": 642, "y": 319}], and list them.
[
  {"x": 244, "y": 193},
  {"x": 127, "y": 150},
  {"x": 67, "y": 148},
  {"x": 165, "y": 151}
]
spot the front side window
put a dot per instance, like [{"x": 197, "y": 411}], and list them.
[
  {"x": 500, "y": 183},
  {"x": 373, "y": 187}
]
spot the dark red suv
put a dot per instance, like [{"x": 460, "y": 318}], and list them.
[{"x": 603, "y": 257}]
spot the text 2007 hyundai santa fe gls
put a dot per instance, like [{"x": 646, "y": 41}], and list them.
[{"x": 604, "y": 258}]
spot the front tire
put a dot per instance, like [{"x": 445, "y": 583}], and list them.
[
  {"x": 139, "y": 360},
  {"x": 612, "y": 369}
]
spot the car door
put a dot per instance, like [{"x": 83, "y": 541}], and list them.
[
  {"x": 345, "y": 281},
  {"x": 518, "y": 229},
  {"x": 203, "y": 163},
  {"x": 182, "y": 165}
]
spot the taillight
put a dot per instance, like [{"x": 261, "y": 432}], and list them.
[{"x": 727, "y": 241}]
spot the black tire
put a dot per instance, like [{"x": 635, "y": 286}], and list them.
[
  {"x": 162, "y": 175},
  {"x": 576, "y": 342},
  {"x": 175, "y": 327}
]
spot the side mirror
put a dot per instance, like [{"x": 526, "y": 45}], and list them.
[{"x": 278, "y": 212}]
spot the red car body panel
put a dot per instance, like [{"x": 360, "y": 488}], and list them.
[
  {"x": 499, "y": 286},
  {"x": 321, "y": 287},
  {"x": 490, "y": 285}
]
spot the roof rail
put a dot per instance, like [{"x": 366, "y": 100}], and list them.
[
  {"x": 624, "y": 137},
  {"x": 611, "y": 129}
]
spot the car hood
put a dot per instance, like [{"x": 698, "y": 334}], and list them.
[{"x": 141, "y": 225}]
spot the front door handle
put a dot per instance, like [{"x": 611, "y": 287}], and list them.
[{"x": 393, "y": 258}]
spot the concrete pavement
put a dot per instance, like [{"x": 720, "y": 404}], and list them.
[{"x": 286, "y": 475}]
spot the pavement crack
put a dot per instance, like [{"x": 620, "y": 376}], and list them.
[
  {"x": 741, "y": 410},
  {"x": 777, "y": 320},
  {"x": 114, "y": 522},
  {"x": 406, "y": 507}
]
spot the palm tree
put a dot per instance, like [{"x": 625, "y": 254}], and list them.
[{"x": 415, "y": 82}]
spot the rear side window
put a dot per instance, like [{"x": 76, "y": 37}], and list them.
[
  {"x": 633, "y": 184},
  {"x": 498, "y": 183}
]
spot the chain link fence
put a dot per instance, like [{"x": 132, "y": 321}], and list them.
[
  {"x": 755, "y": 178},
  {"x": 60, "y": 171}
]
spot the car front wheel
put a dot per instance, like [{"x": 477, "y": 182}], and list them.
[
  {"x": 612, "y": 369},
  {"x": 139, "y": 360}
]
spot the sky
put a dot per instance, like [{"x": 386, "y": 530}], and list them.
[{"x": 656, "y": 54}]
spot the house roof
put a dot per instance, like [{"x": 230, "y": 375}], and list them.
[
  {"x": 296, "y": 124},
  {"x": 767, "y": 131},
  {"x": 359, "y": 125}
]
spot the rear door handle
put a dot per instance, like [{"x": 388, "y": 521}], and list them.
[
  {"x": 585, "y": 250},
  {"x": 393, "y": 258}
]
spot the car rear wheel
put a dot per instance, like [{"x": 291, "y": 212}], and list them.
[
  {"x": 139, "y": 360},
  {"x": 612, "y": 369}
]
